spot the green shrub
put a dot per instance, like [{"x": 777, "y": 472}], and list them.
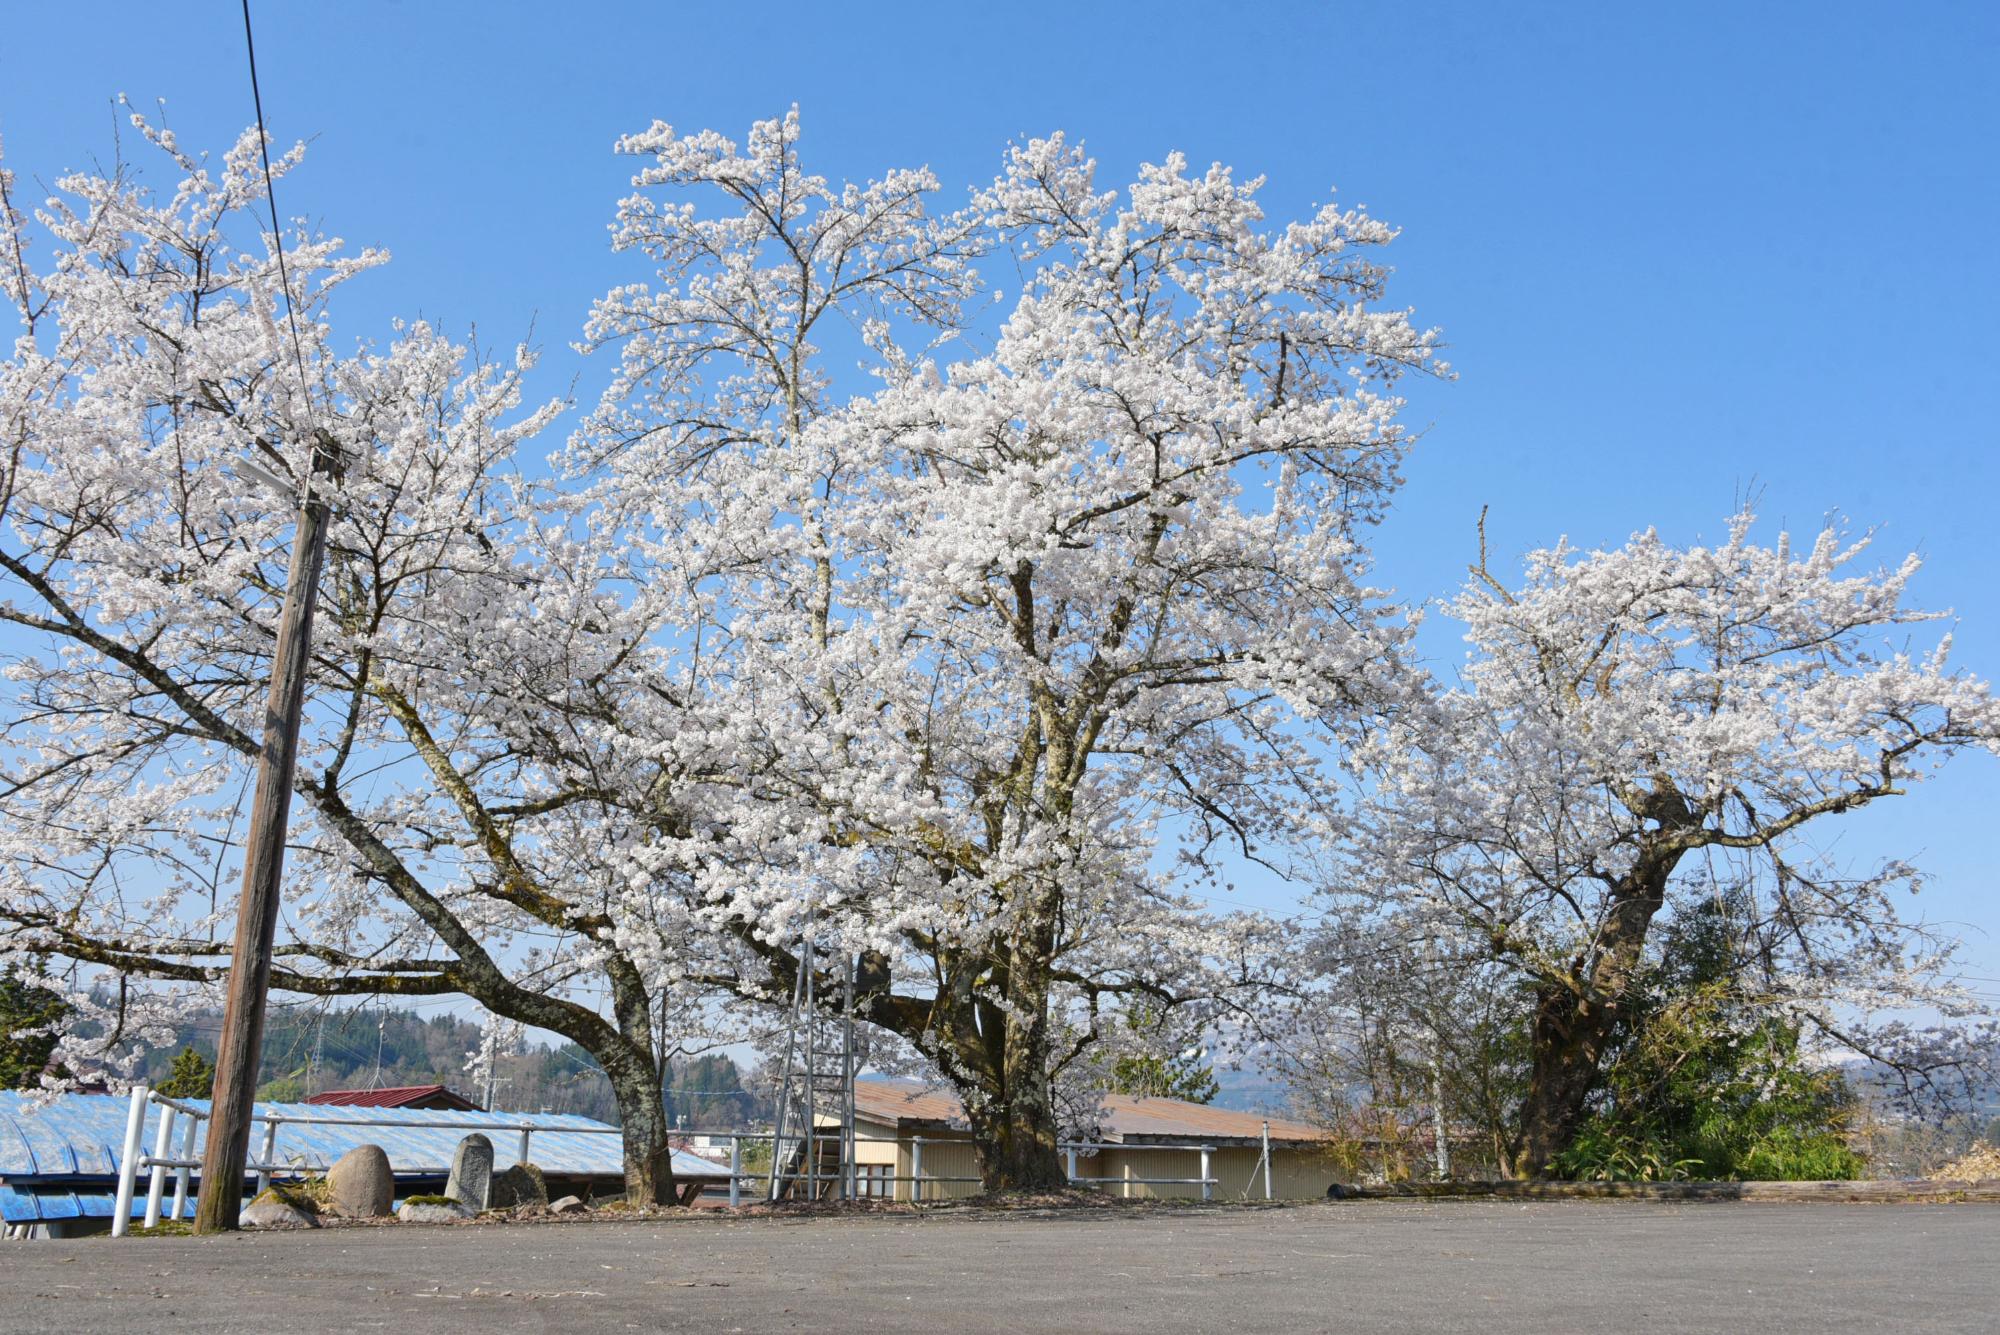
[{"x": 1706, "y": 1082}]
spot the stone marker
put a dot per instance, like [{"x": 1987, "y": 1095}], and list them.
[
  {"x": 272, "y": 1211},
  {"x": 426, "y": 1212},
  {"x": 521, "y": 1184},
  {"x": 360, "y": 1183},
  {"x": 569, "y": 1205},
  {"x": 471, "y": 1180}
]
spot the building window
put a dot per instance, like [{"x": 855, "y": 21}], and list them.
[{"x": 871, "y": 1180}]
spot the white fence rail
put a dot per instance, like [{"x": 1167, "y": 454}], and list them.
[{"x": 157, "y": 1164}]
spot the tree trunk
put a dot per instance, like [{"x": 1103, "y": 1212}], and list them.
[
  {"x": 1016, "y": 1122},
  {"x": 1576, "y": 1020},
  {"x": 997, "y": 1057},
  {"x": 1568, "y": 1039},
  {"x": 642, "y": 1112},
  {"x": 1016, "y": 1138},
  {"x": 999, "y": 1065}
]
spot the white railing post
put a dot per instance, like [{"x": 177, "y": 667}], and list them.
[
  {"x": 916, "y": 1169},
  {"x": 1207, "y": 1187},
  {"x": 735, "y": 1170},
  {"x": 270, "y": 1155},
  {"x": 128, "y": 1163},
  {"x": 181, "y": 1173},
  {"x": 526, "y": 1131},
  {"x": 1267, "y": 1161},
  {"x": 156, "y": 1185},
  {"x": 1071, "y": 1173}
]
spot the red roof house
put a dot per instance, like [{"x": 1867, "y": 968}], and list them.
[{"x": 435, "y": 1098}]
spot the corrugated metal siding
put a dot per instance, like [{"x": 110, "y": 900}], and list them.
[
  {"x": 1128, "y": 1164},
  {"x": 942, "y": 1159}
]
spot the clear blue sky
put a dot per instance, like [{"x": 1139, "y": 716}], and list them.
[{"x": 1680, "y": 251}]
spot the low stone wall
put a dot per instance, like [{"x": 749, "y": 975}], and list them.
[{"x": 1886, "y": 1190}]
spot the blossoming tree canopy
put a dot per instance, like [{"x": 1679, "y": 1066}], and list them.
[
  {"x": 943, "y": 670},
  {"x": 1636, "y": 726},
  {"x": 975, "y": 645}
]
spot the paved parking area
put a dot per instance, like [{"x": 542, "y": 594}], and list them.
[{"x": 1361, "y": 1267}]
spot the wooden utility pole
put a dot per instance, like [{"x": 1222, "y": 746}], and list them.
[{"x": 239, "y": 1050}]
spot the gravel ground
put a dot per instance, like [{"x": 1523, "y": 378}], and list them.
[{"x": 1367, "y": 1266}]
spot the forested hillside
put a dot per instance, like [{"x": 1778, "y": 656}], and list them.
[{"x": 310, "y": 1049}]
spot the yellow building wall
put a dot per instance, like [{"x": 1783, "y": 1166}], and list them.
[
  {"x": 874, "y": 1144},
  {"x": 945, "y": 1155},
  {"x": 942, "y": 1158},
  {"x": 1297, "y": 1173}
]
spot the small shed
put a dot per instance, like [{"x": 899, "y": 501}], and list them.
[{"x": 905, "y": 1129}]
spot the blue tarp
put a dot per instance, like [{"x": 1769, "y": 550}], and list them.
[{"x": 76, "y": 1138}]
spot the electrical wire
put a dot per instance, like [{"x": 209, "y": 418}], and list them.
[{"x": 271, "y": 196}]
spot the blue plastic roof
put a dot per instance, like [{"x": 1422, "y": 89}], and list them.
[
  {"x": 37, "y": 1202},
  {"x": 80, "y": 1135}
]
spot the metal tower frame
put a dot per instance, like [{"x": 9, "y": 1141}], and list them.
[{"x": 818, "y": 1082}]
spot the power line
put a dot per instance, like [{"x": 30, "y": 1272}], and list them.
[{"x": 277, "y": 234}]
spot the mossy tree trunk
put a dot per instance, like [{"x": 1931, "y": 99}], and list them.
[{"x": 1576, "y": 1017}]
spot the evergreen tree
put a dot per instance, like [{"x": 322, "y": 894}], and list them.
[
  {"x": 1185, "y": 1074},
  {"x": 706, "y": 1093},
  {"x": 192, "y": 1077},
  {"x": 28, "y": 1014}
]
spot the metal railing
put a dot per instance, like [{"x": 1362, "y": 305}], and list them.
[{"x": 162, "y": 1159}]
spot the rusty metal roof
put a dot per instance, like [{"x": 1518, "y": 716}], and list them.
[
  {"x": 401, "y": 1096},
  {"x": 1129, "y": 1118},
  {"x": 1122, "y": 1117},
  {"x": 907, "y": 1101}
]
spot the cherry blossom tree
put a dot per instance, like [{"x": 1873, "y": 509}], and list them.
[
  {"x": 1635, "y": 728},
  {"x": 455, "y": 771},
  {"x": 996, "y": 665}
]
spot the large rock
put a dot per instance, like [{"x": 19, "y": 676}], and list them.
[
  {"x": 522, "y": 1184},
  {"x": 433, "y": 1212},
  {"x": 273, "y": 1210},
  {"x": 359, "y": 1184},
  {"x": 471, "y": 1180}
]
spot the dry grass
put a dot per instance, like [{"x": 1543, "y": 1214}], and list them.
[{"x": 1976, "y": 1164}]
